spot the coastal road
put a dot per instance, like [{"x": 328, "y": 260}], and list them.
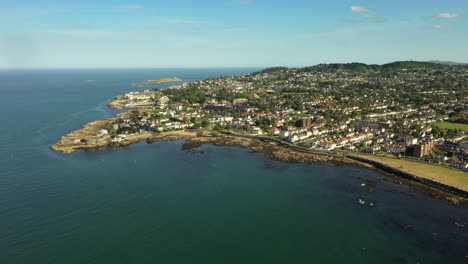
[{"x": 284, "y": 144}]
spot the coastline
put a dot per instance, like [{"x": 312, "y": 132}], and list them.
[
  {"x": 88, "y": 138},
  {"x": 438, "y": 189},
  {"x": 154, "y": 201}
]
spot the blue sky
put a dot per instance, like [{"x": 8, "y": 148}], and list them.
[{"x": 228, "y": 33}]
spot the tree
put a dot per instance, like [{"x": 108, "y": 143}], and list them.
[
  {"x": 205, "y": 123},
  {"x": 134, "y": 115}
]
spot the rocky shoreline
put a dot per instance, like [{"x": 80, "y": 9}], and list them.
[
  {"x": 439, "y": 189},
  {"x": 284, "y": 154},
  {"x": 83, "y": 139},
  {"x": 70, "y": 144},
  {"x": 74, "y": 141},
  {"x": 87, "y": 137},
  {"x": 272, "y": 151},
  {"x": 120, "y": 102}
]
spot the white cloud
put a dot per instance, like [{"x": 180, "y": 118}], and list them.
[
  {"x": 360, "y": 9},
  {"x": 447, "y": 15}
]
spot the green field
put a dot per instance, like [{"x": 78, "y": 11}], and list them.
[
  {"x": 449, "y": 125},
  {"x": 437, "y": 173}
]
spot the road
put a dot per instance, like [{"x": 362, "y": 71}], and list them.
[{"x": 284, "y": 144}]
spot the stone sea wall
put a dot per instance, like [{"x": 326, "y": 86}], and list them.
[{"x": 410, "y": 176}]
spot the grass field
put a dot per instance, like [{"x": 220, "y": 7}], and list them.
[
  {"x": 441, "y": 174},
  {"x": 449, "y": 125}
]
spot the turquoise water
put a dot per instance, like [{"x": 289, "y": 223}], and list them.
[{"x": 157, "y": 203}]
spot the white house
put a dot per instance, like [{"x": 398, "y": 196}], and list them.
[
  {"x": 395, "y": 148},
  {"x": 103, "y": 133},
  {"x": 284, "y": 134},
  {"x": 328, "y": 145},
  {"x": 410, "y": 141},
  {"x": 255, "y": 130},
  {"x": 274, "y": 131},
  {"x": 293, "y": 139}
]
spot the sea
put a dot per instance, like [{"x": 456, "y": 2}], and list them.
[{"x": 158, "y": 203}]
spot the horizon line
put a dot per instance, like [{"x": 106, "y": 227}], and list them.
[{"x": 220, "y": 67}]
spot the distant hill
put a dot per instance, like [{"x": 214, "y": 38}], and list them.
[
  {"x": 352, "y": 67},
  {"x": 356, "y": 67},
  {"x": 451, "y": 63},
  {"x": 399, "y": 65},
  {"x": 273, "y": 69}
]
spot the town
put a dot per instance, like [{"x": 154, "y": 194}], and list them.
[{"x": 412, "y": 110}]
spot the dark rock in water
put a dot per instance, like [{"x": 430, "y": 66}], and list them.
[
  {"x": 190, "y": 145},
  {"x": 269, "y": 166},
  {"x": 460, "y": 224},
  {"x": 196, "y": 151}
]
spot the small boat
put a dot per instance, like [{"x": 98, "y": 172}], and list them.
[{"x": 361, "y": 202}]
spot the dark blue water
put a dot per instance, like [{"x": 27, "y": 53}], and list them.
[{"x": 158, "y": 203}]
